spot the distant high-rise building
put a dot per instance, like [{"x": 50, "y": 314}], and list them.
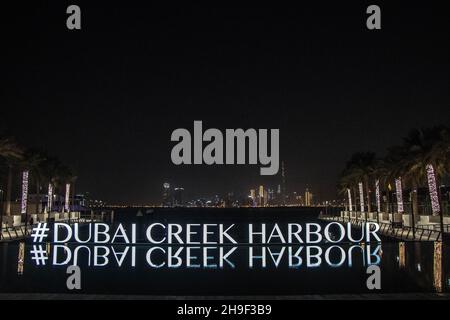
[
  {"x": 253, "y": 197},
  {"x": 167, "y": 195},
  {"x": 308, "y": 198},
  {"x": 283, "y": 184},
  {"x": 299, "y": 200},
  {"x": 178, "y": 196},
  {"x": 270, "y": 196},
  {"x": 261, "y": 196},
  {"x": 229, "y": 200}
]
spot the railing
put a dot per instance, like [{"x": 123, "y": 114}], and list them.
[
  {"x": 9, "y": 233},
  {"x": 423, "y": 209},
  {"x": 428, "y": 233},
  {"x": 17, "y": 232}
]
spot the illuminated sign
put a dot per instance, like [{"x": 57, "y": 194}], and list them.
[
  {"x": 207, "y": 234},
  {"x": 173, "y": 245}
]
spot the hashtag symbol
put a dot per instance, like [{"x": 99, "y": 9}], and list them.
[
  {"x": 40, "y": 232},
  {"x": 39, "y": 255}
]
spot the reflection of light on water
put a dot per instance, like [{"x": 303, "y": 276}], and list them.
[
  {"x": 437, "y": 269},
  {"x": 401, "y": 255},
  {"x": 21, "y": 257}
]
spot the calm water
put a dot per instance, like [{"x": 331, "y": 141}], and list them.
[{"x": 224, "y": 270}]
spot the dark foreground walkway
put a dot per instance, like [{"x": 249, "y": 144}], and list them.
[{"x": 399, "y": 296}]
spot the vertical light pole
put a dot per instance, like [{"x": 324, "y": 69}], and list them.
[{"x": 24, "y": 203}]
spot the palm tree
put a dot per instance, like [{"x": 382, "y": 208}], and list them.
[
  {"x": 33, "y": 162},
  {"x": 423, "y": 157},
  {"x": 345, "y": 187},
  {"x": 73, "y": 180},
  {"x": 64, "y": 178},
  {"x": 383, "y": 175},
  {"x": 50, "y": 169},
  {"x": 11, "y": 153},
  {"x": 427, "y": 152},
  {"x": 361, "y": 167},
  {"x": 10, "y": 149}
]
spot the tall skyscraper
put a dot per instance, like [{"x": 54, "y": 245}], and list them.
[
  {"x": 253, "y": 197},
  {"x": 265, "y": 198},
  {"x": 178, "y": 196},
  {"x": 261, "y": 196},
  {"x": 270, "y": 196},
  {"x": 283, "y": 184},
  {"x": 308, "y": 198},
  {"x": 167, "y": 195}
]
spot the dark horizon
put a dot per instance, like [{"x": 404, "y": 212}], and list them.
[{"x": 106, "y": 99}]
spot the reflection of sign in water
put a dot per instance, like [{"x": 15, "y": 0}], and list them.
[
  {"x": 208, "y": 257},
  {"x": 173, "y": 245},
  {"x": 207, "y": 234}
]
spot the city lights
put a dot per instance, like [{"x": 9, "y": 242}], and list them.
[
  {"x": 24, "y": 192},
  {"x": 399, "y": 192},
  {"x": 431, "y": 177}
]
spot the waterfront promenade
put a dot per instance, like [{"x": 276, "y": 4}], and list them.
[
  {"x": 18, "y": 230},
  {"x": 392, "y": 227}
]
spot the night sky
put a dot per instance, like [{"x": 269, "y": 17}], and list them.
[{"x": 107, "y": 98}]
